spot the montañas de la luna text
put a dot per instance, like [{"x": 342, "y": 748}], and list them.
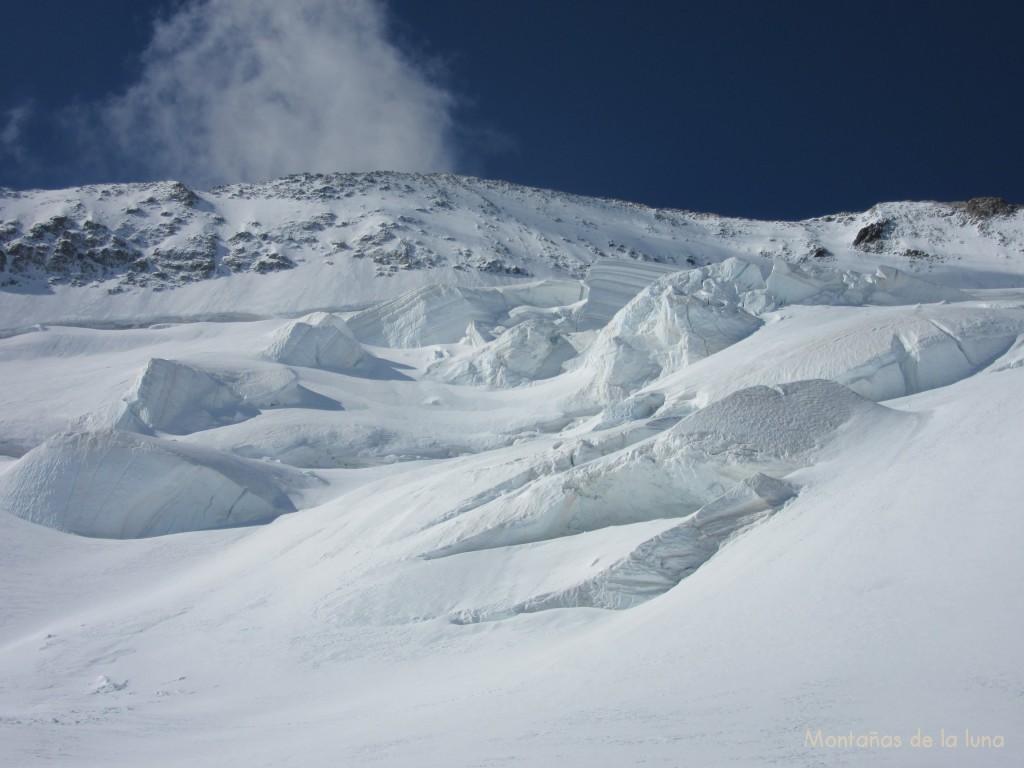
[{"x": 877, "y": 740}]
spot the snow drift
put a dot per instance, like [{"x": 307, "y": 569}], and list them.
[
  {"x": 530, "y": 351},
  {"x": 430, "y": 315},
  {"x": 769, "y": 430},
  {"x": 440, "y": 314},
  {"x": 118, "y": 485},
  {"x": 809, "y": 284},
  {"x": 318, "y": 340},
  {"x": 677, "y": 320},
  {"x": 178, "y": 399},
  {"x": 658, "y": 563},
  {"x": 612, "y": 283}
]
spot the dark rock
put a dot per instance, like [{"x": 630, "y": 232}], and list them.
[
  {"x": 319, "y": 223},
  {"x": 405, "y": 255},
  {"x": 54, "y": 226},
  {"x": 872, "y": 233},
  {"x": 182, "y": 194},
  {"x": 26, "y": 257},
  {"x": 196, "y": 261},
  {"x": 274, "y": 262},
  {"x": 497, "y": 266},
  {"x": 987, "y": 207}
]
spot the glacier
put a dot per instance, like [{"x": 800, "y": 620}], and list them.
[{"x": 385, "y": 469}]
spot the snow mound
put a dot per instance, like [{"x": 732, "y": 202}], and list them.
[
  {"x": 117, "y": 485},
  {"x": 771, "y": 430},
  {"x": 104, "y": 684},
  {"x": 662, "y": 561},
  {"x": 728, "y": 282},
  {"x": 179, "y": 399},
  {"x": 810, "y": 284},
  {"x": 318, "y": 340},
  {"x": 440, "y": 314},
  {"x": 530, "y": 351},
  {"x": 784, "y": 421},
  {"x": 676, "y": 321}
]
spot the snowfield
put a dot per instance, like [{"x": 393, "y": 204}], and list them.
[{"x": 406, "y": 470}]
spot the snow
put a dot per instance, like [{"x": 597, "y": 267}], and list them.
[
  {"x": 791, "y": 284},
  {"x": 355, "y": 240},
  {"x": 318, "y": 340},
  {"x": 622, "y": 509},
  {"x": 674, "y": 473},
  {"x": 612, "y": 283},
  {"x": 653, "y": 566},
  {"x": 438, "y": 314},
  {"x": 878, "y": 353},
  {"x": 177, "y": 398},
  {"x": 659, "y": 331},
  {"x": 529, "y": 351},
  {"x": 115, "y": 485}
]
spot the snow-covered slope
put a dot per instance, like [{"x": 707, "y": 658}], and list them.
[
  {"x": 150, "y": 252},
  {"x": 390, "y": 469}
]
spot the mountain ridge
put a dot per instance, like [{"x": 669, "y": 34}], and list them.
[{"x": 407, "y": 229}]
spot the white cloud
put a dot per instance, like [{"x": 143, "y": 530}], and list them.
[
  {"x": 234, "y": 90},
  {"x": 11, "y": 134}
]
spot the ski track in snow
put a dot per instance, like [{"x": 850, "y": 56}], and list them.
[{"x": 391, "y": 469}]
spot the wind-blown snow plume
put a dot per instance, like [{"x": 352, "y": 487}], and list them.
[
  {"x": 11, "y": 133},
  {"x": 249, "y": 89}
]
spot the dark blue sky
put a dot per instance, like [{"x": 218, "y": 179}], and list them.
[{"x": 768, "y": 110}]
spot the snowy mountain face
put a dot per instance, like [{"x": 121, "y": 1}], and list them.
[
  {"x": 349, "y": 240},
  {"x": 363, "y": 468}
]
